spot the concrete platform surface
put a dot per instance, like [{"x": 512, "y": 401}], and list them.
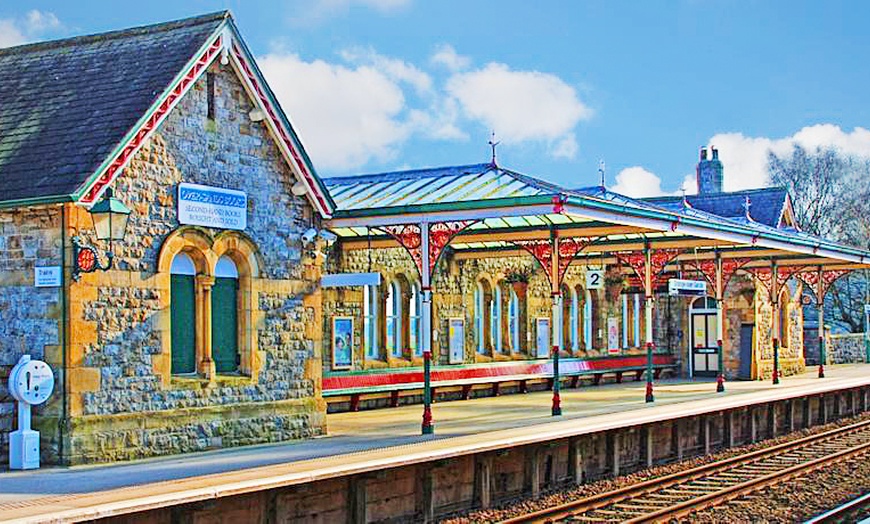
[{"x": 370, "y": 440}]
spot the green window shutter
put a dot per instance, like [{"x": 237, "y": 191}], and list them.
[
  {"x": 225, "y": 325},
  {"x": 183, "y": 323}
]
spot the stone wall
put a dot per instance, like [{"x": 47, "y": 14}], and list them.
[
  {"x": 791, "y": 358},
  {"x": 30, "y": 317},
  {"x": 124, "y": 401},
  {"x": 454, "y": 282},
  {"x": 846, "y": 349}
]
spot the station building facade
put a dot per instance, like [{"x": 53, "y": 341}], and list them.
[
  {"x": 204, "y": 332},
  {"x": 498, "y": 295},
  {"x": 225, "y": 316}
]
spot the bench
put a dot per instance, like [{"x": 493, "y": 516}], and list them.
[{"x": 351, "y": 387}]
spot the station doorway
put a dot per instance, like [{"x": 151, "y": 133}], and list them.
[{"x": 703, "y": 342}]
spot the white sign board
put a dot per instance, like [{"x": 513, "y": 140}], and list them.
[
  {"x": 678, "y": 286},
  {"x": 212, "y": 207},
  {"x": 594, "y": 279},
  {"x": 46, "y": 276},
  {"x": 456, "y": 339},
  {"x": 867, "y": 308},
  {"x": 543, "y": 337},
  {"x": 613, "y": 335}
]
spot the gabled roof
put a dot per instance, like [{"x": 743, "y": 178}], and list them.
[
  {"x": 74, "y": 111},
  {"x": 769, "y": 206}
]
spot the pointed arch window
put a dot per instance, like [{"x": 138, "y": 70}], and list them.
[
  {"x": 182, "y": 305},
  {"x": 370, "y": 310},
  {"x": 414, "y": 321},
  {"x": 514, "y": 322},
  {"x": 394, "y": 319},
  {"x": 784, "y": 319},
  {"x": 495, "y": 306}
]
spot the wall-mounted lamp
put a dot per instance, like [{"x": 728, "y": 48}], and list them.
[{"x": 110, "y": 217}]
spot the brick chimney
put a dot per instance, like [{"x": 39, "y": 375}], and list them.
[{"x": 709, "y": 172}]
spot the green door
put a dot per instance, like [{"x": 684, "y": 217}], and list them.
[
  {"x": 183, "y": 315},
  {"x": 225, "y": 325}
]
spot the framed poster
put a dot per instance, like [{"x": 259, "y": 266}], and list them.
[
  {"x": 342, "y": 342},
  {"x": 613, "y": 335},
  {"x": 456, "y": 339},
  {"x": 542, "y": 337}
]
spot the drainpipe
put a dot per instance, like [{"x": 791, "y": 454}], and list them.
[{"x": 64, "y": 324}]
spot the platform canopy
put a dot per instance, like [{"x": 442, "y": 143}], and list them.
[{"x": 485, "y": 210}]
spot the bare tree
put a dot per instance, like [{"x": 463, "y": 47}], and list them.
[{"x": 831, "y": 197}]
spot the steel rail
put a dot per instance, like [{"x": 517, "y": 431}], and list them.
[
  {"x": 627, "y": 493},
  {"x": 840, "y": 513}
]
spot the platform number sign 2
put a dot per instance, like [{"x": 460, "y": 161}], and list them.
[{"x": 594, "y": 279}]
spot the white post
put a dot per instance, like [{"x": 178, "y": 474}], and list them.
[{"x": 648, "y": 315}]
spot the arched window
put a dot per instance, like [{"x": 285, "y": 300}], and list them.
[
  {"x": 370, "y": 311},
  {"x": 637, "y": 324},
  {"x": 182, "y": 305},
  {"x": 784, "y": 319},
  {"x": 414, "y": 307},
  {"x": 568, "y": 338},
  {"x": 394, "y": 319},
  {"x": 588, "y": 339},
  {"x": 495, "y": 305},
  {"x": 596, "y": 332},
  {"x": 578, "y": 303},
  {"x": 514, "y": 322},
  {"x": 483, "y": 317},
  {"x": 225, "y": 316}
]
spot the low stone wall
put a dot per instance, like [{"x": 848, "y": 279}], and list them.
[{"x": 846, "y": 349}]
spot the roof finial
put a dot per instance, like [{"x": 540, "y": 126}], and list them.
[
  {"x": 683, "y": 190},
  {"x": 492, "y": 143},
  {"x": 746, "y": 205},
  {"x": 601, "y": 172}
]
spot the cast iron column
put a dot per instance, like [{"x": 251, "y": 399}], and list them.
[
  {"x": 774, "y": 278},
  {"x": 720, "y": 327},
  {"x": 556, "y": 294},
  {"x": 426, "y": 325},
  {"x": 820, "y": 303},
  {"x": 648, "y": 305}
]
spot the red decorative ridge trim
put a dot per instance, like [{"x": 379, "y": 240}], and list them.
[
  {"x": 279, "y": 126},
  {"x": 151, "y": 124}
]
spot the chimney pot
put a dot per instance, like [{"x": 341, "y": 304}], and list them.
[
  {"x": 715, "y": 153},
  {"x": 703, "y": 153}
]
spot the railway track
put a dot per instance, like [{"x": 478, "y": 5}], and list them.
[
  {"x": 851, "y": 511},
  {"x": 685, "y": 492}
]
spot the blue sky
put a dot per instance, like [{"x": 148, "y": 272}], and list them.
[{"x": 378, "y": 85}]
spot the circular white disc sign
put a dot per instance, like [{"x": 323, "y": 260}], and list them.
[{"x": 31, "y": 381}]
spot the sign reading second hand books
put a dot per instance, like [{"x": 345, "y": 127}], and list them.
[{"x": 212, "y": 207}]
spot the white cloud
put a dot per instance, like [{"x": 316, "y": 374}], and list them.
[
  {"x": 521, "y": 106},
  {"x": 447, "y": 56},
  {"x": 395, "y": 69},
  {"x": 745, "y": 158},
  {"x": 30, "y": 27},
  {"x": 346, "y": 116},
  {"x": 638, "y": 182}
]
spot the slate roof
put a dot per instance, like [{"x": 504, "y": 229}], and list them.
[
  {"x": 767, "y": 204},
  {"x": 66, "y": 104}
]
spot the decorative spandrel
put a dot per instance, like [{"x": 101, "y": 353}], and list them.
[
  {"x": 659, "y": 260},
  {"x": 730, "y": 267},
  {"x": 542, "y": 250},
  {"x": 440, "y": 234},
  {"x": 811, "y": 279},
  {"x": 783, "y": 274}
]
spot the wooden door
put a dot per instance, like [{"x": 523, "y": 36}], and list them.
[
  {"x": 183, "y": 323},
  {"x": 225, "y": 324}
]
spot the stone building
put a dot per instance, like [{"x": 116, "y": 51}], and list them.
[
  {"x": 233, "y": 294},
  {"x": 204, "y": 332},
  {"x": 492, "y": 282}
]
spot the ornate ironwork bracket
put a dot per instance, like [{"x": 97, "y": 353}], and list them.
[
  {"x": 811, "y": 278},
  {"x": 542, "y": 251},
  {"x": 730, "y": 267},
  {"x": 659, "y": 260},
  {"x": 440, "y": 236}
]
